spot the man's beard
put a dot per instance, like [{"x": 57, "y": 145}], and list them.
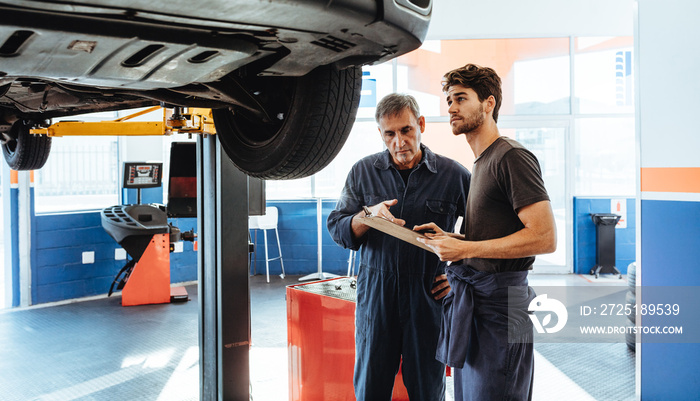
[{"x": 471, "y": 123}]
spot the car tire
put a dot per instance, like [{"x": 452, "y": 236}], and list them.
[
  {"x": 631, "y": 301},
  {"x": 310, "y": 119},
  {"x": 630, "y": 336},
  {"x": 632, "y": 277},
  {"x": 24, "y": 150}
]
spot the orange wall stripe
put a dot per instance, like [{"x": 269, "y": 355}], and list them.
[{"x": 671, "y": 179}]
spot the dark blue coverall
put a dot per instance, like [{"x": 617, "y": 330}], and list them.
[
  {"x": 396, "y": 315},
  {"x": 487, "y": 334}
]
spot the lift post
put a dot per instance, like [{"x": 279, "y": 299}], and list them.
[{"x": 224, "y": 281}]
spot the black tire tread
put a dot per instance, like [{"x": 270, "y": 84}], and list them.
[
  {"x": 631, "y": 300},
  {"x": 325, "y": 133},
  {"x": 31, "y": 151},
  {"x": 330, "y": 105},
  {"x": 324, "y": 117},
  {"x": 632, "y": 277},
  {"x": 630, "y": 337}
]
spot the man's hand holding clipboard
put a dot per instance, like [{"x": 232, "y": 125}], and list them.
[{"x": 379, "y": 217}]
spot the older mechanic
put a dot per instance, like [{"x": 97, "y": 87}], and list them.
[{"x": 397, "y": 315}]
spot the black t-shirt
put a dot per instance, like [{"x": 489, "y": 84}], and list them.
[
  {"x": 505, "y": 178},
  {"x": 404, "y": 175},
  {"x": 407, "y": 172}
]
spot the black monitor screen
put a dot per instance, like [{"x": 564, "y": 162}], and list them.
[
  {"x": 142, "y": 174},
  {"x": 182, "y": 188}
]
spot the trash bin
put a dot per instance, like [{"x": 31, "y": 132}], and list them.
[{"x": 605, "y": 243}]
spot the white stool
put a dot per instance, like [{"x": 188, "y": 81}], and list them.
[{"x": 264, "y": 223}]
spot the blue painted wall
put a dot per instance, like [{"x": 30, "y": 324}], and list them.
[
  {"x": 670, "y": 226},
  {"x": 335, "y": 258},
  {"x": 183, "y": 265},
  {"x": 60, "y": 239},
  {"x": 58, "y": 272},
  {"x": 14, "y": 238},
  {"x": 670, "y": 257},
  {"x": 585, "y": 234},
  {"x": 148, "y": 195},
  {"x": 57, "y": 269}
]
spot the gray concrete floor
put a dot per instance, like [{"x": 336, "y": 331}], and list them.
[
  {"x": 98, "y": 350},
  {"x": 570, "y": 371}
]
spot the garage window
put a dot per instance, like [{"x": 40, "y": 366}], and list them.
[{"x": 82, "y": 172}]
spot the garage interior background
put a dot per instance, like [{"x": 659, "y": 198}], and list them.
[{"x": 569, "y": 95}]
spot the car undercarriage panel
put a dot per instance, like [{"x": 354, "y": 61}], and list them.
[
  {"x": 72, "y": 57},
  {"x": 116, "y": 54}
]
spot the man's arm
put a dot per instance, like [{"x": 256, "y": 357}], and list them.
[
  {"x": 539, "y": 236},
  {"x": 345, "y": 227}
]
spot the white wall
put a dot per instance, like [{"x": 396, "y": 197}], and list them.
[
  {"x": 668, "y": 67},
  {"x": 470, "y": 19}
]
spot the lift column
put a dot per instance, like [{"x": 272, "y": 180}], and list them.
[{"x": 224, "y": 287}]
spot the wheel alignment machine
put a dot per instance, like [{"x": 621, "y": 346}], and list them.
[
  {"x": 132, "y": 226},
  {"x": 145, "y": 234}
]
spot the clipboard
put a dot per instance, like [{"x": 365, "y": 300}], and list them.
[{"x": 395, "y": 230}]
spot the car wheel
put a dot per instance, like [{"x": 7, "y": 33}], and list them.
[
  {"x": 296, "y": 126},
  {"x": 630, "y": 336},
  {"x": 631, "y": 301},
  {"x": 632, "y": 277},
  {"x": 23, "y": 150}
]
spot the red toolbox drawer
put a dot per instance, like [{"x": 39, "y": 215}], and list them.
[{"x": 321, "y": 341}]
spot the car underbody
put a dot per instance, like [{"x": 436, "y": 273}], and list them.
[{"x": 60, "y": 59}]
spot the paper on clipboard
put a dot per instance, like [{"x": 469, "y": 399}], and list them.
[{"x": 395, "y": 230}]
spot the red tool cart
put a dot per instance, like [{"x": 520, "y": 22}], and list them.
[{"x": 321, "y": 341}]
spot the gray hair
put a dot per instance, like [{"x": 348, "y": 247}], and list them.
[{"x": 393, "y": 104}]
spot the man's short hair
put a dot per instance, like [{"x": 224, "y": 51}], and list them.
[
  {"x": 395, "y": 103},
  {"x": 483, "y": 80}
]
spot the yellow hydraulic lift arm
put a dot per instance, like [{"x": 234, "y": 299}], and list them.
[{"x": 189, "y": 121}]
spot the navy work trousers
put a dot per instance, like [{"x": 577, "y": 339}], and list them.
[
  {"x": 487, "y": 335},
  {"x": 397, "y": 322}
]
